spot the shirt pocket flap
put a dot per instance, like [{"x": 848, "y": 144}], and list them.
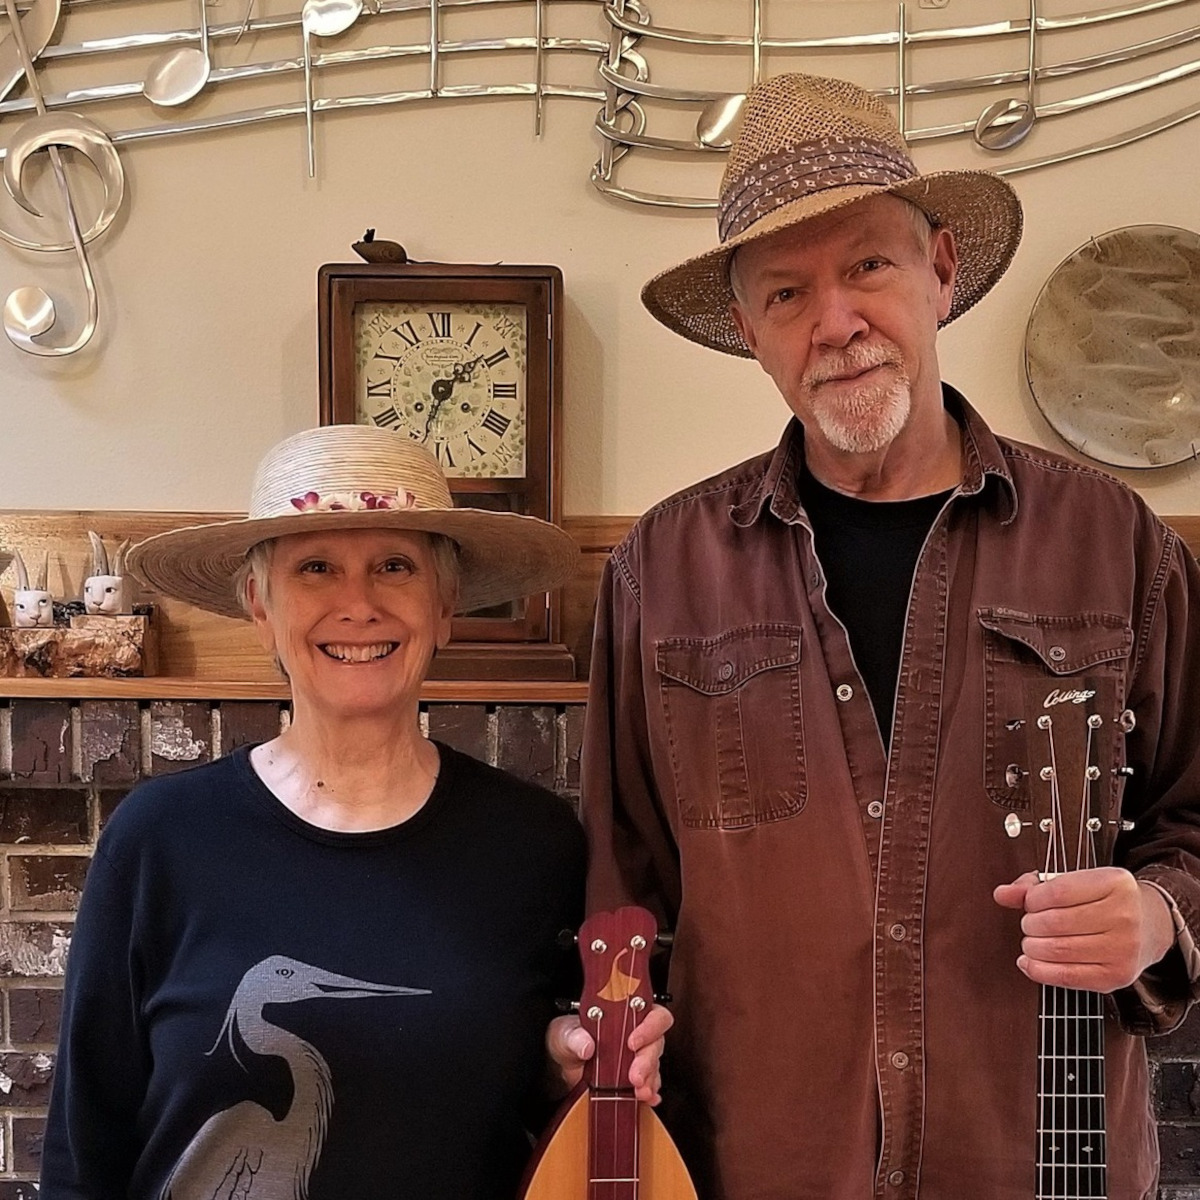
[
  {"x": 718, "y": 665},
  {"x": 1065, "y": 645}
]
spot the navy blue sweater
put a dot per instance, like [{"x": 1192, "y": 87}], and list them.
[{"x": 256, "y": 1007}]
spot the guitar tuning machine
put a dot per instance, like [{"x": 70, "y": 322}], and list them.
[
  {"x": 1127, "y": 721},
  {"x": 1013, "y": 825},
  {"x": 599, "y": 946},
  {"x": 595, "y": 1013},
  {"x": 663, "y": 997},
  {"x": 637, "y": 1003},
  {"x": 664, "y": 939},
  {"x": 637, "y": 942},
  {"x": 1123, "y": 772},
  {"x": 567, "y": 1006}
]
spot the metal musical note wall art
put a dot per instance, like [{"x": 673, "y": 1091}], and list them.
[{"x": 669, "y": 78}]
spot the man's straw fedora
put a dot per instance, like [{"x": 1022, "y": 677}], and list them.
[
  {"x": 356, "y": 477},
  {"x": 808, "y": 145}
]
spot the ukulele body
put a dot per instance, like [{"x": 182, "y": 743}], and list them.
[{"x": 559, "y": 1168}]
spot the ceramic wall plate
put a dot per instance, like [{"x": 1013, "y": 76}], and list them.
[{"x": 1112, "y": 351}]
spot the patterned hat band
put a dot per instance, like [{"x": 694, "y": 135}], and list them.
[{"x": 800, "y": 170}]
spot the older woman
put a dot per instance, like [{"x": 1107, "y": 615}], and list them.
[{"x": 324, "y": 966}]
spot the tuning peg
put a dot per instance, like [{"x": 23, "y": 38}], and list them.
[
  {"x": 1013, "y": 825},
  {"x": 1013, "y": 774},
  {"x": 1123, "y": 826},
  {"x": 566, "y": 1006},
  {"x": 1127, "y": 721},
  {"x": 566, "y": 939},
  {"x": 663, "y": 997},
  {"x": 666, "y": 938},
  {"x": 1123, "y": 772}
]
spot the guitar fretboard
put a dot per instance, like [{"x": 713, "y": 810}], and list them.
[{"x": 1072, "y": 1151}]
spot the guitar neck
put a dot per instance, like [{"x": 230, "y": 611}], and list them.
[
  {"x": 613, "y": 1146},
  {"x": 1072, "y": 1140}
]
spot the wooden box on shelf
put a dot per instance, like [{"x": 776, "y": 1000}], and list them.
[{"x": 116, "y": 647}]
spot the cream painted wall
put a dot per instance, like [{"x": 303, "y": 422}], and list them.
[{"x": 207, "y": 351}]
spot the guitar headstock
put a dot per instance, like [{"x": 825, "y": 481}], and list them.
[
  {"x": 1065, "y": 739},
  {"x": 615, "y": 949}
]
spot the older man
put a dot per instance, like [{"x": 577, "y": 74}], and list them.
[{"x": 847, "y": 697}]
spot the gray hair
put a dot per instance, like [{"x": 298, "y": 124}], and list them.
[
  {"x": 257, "y": 566},
  {"x": 923, "y": 226}
]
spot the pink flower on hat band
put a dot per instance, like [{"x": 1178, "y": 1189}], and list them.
[{"x": 353, "y": 501}]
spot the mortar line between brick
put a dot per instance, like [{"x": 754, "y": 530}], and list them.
[
  {"x": 493, "y": 737},
  {"x": 147, "y": 749},
  {"x": 76, "y": 741},
  {"x": 6, "y": 748},
  {"x": 560, "y": 751}
]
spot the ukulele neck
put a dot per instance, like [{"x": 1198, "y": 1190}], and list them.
[{"x": 613, "y": 1146}]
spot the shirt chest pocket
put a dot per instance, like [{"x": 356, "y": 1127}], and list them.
[
  {"x": 1065, "y": 667},
  {"x": 731, "y": 704}
]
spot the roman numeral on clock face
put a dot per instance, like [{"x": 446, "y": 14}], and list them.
[
  {"x": 388, "y": 419},
  {"x": 498, "y": 357},
  {"x": 379, "y": 391},
  {"x": 406, "y": 333},
  {"x": 439, "y": 322},
  {"x": 497, "y": 422},
  {"x": 504, "y": 391}
]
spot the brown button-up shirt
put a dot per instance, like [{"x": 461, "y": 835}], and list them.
[{"x": 850, "y": 1019}]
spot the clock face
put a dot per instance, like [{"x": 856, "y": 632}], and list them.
[{"x": 451, "y": 376}]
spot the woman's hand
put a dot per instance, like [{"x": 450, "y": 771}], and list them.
[{"x": 570, "y": 1046}]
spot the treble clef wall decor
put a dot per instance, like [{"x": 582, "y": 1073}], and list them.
[{"x": 29, "y": 311}]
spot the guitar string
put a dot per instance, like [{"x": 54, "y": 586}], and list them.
[
  {"x": 628, "y": 1016},
  {"x": 1050, "y": 997}
]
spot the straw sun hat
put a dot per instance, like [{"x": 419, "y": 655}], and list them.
[
  {"x": 808, "y": 145},
  {"x": 356, "y": 477}
]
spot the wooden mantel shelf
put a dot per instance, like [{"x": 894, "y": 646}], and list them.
[{"x": 164, "y": 687}]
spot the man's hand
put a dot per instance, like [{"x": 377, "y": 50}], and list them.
[
  {"x": 570, "y": 1046},
  {"x": 1096, "y": 930}
]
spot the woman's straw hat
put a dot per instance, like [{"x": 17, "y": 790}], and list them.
[
  {"x": 356, "y": 477},
  {"x": 808, "y": 145}
]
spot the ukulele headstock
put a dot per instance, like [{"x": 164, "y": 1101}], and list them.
[
  {"x": 1065, "y": 736},
  {"x": 615, "y": 949}
]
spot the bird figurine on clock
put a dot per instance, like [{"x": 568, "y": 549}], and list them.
[{"x": 466, "y": 360}]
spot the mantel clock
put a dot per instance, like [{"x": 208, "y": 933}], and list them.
[{"x": 466, "y": 360}]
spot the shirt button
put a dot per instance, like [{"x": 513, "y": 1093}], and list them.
[
  {"x": 899, "y": 1060},
  {"x": 898, "y": 932},
  {"x": 896, "y": 1178},
  {"x": 875, "y": 809},
  {"x": 1057, "y": 654},
  {"x": 844, "y": 692},
  {"x": 726, "y": 671}
]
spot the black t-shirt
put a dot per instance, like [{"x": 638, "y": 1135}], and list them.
[
  {"x": 233, "y": 1007},
  {"x": 868, "y": 550}
]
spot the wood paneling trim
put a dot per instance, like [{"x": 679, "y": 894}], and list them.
[
  {"x": 1189, "y": 529},
  {"x": 598, "y": 534}
]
